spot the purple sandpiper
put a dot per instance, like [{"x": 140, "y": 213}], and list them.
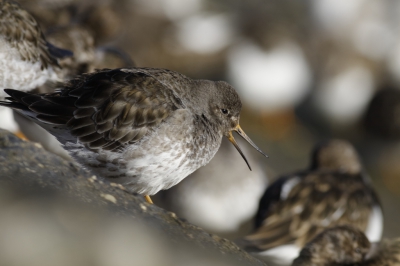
[
  {"x": 145, "y": 128},
  {"x": 296, "y": 207}
]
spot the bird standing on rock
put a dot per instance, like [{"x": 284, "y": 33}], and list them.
[
  {"x": 295, "y": 208},
  {"x": 145, "y": 128}
]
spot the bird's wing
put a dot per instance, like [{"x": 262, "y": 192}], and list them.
[
  {"x": 315, "y": 201},
  {"x": 106, "y": 109},
  {"x": 271, "y": 197}
]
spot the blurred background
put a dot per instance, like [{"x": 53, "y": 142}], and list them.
[{"x": 306, "y": 71}]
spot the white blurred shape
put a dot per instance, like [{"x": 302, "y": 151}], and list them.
[
  {"x": 7, "y": 120},
  {"x": 224, "y": 194},
  {"x": 175, "y": 9},
  {"x": 344, "y": 97},
  {"x": 336, "y": 15},
  {"x": 172, "y": 9},
  {"x": 373, "y": 38},
  {"x": 205, "y": 33},
  {"x": 270, "y": 80},
  {"x": 225, "y": 214}
]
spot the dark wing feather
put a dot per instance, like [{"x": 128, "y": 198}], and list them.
[
  {"x": 269, "y": 199},
  {"x": 318, "y": 201},
  {"x": 106, "y": 109}
]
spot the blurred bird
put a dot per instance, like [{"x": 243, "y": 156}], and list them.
[
  {"x": 98, "y": 16},
  {"x": 146, "y": 128},
  {"x": 27, "y": 60},
  {"x": 204, "y": 33},
  {"x": 275, "y": 80},
  {"x": 87, "y": 55},
  {"x": 80, "y": 41},
  {"x": 223, "y": 204},
  {"x": 334, "y": 191},
  {"x": 346, "y": 245},
  {"x": 342, "y": 97}
]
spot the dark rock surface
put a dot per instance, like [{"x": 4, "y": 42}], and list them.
[{"x": 27, "y": 169}]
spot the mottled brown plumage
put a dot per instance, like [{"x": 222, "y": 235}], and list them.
[
  {"x": 21, "y": 31},
  {"x": 87, "y": 57},
  {"x": 295, "y": 208},
  {"x": 311, "y": 206},
  {"x": 81, "y": 42},
  {"x": 26, "y": 58},
  {"x": 346, "y": 245},
  {"x": 105, "y": 110},
  {"x": 146, "y": 128}
]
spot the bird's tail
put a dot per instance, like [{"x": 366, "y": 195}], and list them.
[{"x": 42, "y": 110}]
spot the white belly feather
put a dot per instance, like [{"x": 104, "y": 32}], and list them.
[{"x": 19, "y": 74}]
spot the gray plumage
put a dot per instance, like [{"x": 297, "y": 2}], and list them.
[{"x": 146, "y": 128}]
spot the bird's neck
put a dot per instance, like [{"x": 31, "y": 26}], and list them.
[{"x": 206, "y": 139}]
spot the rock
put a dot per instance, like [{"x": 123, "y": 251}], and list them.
[{"x": 35, "y": 186}]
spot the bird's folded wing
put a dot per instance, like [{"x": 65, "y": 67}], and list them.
[{"x": 107, "y": 109}]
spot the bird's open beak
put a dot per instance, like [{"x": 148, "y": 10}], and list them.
[{"x": 240, "y": 131}]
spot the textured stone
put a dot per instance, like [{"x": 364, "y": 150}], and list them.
[{"x": 26, "y": 168}]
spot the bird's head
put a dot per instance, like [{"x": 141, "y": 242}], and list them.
[{"x": 224, "y": 107}]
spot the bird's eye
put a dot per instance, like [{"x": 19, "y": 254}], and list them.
[{"x": 224, "y": 111}]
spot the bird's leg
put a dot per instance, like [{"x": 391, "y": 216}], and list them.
[
  {"x": 20, "y": 135},
  {"x": 148, "y": 199}
]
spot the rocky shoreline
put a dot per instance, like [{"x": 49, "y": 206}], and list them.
[{"x": 28, "y": 169}]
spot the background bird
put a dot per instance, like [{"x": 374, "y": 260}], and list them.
[
  {"x": 26, "y": 58},
  {"x": 142, "y": 127},
  {"x": 334, "y": 191},
  {"x": 346, "y": 245}
]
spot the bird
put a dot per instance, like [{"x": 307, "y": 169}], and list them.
[
  {"x": 27, "y": 60},
  {"x": 296, "y": 207},
  {"x": 146, "y": 128},
  {"x": 81, "y": 42},
  {"x": 346, "y": 245},
  {"x": 87, "y": 56}
]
